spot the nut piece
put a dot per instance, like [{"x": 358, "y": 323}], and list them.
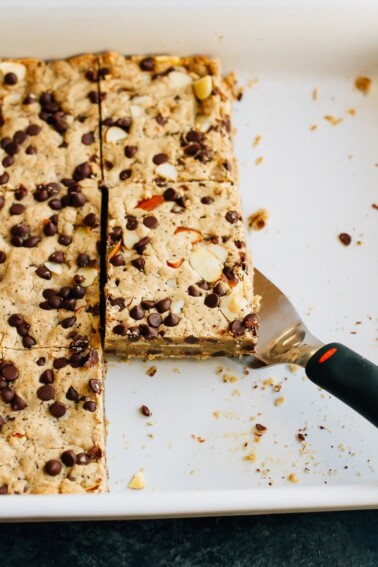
[
  {"x": 193, "y": 234},
  {"x": 219, "y": 251},
  {"x": 167, "y": 171},
  {"x": 54, "y": 267},
  {"x": 179, "y": 80},
  {"x": 90, "y": 274},
  {"x": 114, "y": 134},
  {"x": 258, "y": 220},
  {"x": 176, "y": 306},
  {"x": 150, "y": 204},
  {"x": 233, "y": 306},
  {"x": 175, "y": 263},
  {"x": 130, "y": 238},
  {"x": 137, "y": 482},
  {"x": 135, "y": 111},
  {"x": 203, "y": 87},
  {"x": 207, "y": 264},
  {"x": 10, "y": 67},
  {"x": 203, "y": 123}
]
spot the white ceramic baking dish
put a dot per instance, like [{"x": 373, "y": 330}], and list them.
[{"x": 298, "y": 62}]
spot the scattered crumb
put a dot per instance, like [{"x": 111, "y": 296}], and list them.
[
  {"x": 350, "y": 156},
  {"x": 345, "y": 238},
  {"x": 236, "y": 393},
  {"x": 150, "y": 422},
  {"x": 251, "y": 83},
  {"x": 151, "y": 371},
  {"x": 260, "y": 429},
  {"x": 279, "y": 401},
  {"x": 359, "y": 243},
  {"x": 258, "y": 220},
  {"x": 300, "y": 437},
  {"x": 137, "y": 482},
  {"x": 293, "y": 368},
  {"x": 198, "y": 439},
  {"x": 257, "y": 140},
  {"x": 251, "y": 457},
  {"x": 151, "y": 435},
  {"x": 145, "y": 411},
  {"x": 315, "y": 93},
  {"x": 192, "y": 472},
  {"x": 219, "y": 370},
  {"x": 269, "y": 382},
  {"x": 217, "y": 414},
  {"x": 236, "y": 90},
  {"x": 313, "y": 127},
  {"x": 245, "y": 371},
  {"x": 277, "y": 388},
  {"x": 363, "y": 84},
  {"x": 176, "y": 370},
  {"x": 332, "y": 120},
  {"x": 259, "y": 160},
  {"x": 229, "y": 378},
  {"x": 293, "y": 478},
  {"x": 352, "y": 111},
  {"x": 374, "y": 206}
]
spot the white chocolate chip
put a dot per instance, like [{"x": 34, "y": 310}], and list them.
[
  {"x": 10, "y": 67},
  {"x": 203, "y": 87},
  {"x": 206, "y": 264},
  {"x": 176, "y": 306},
  {"x": 135, "y": 111},
  {"x": 90, "y": 274},
  {"x": 130, "y": 238},
  {"x": 142, "y": 100},
  {"x": 114, "y": 134},
  {"x": 167, "y": 171},
  {"x": 179, "y": 80},
  {"x": 172, "y": 282},
  {"x": 54, "y": 267},
  {"x": 233, "y": 306},
  {"x": 219, "y": 251}
]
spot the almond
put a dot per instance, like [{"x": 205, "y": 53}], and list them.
[
  {"x": 115, "y": 134},
  {"x": 194, "y": 235},
  {"x": 150, "y": 204},
  {"x": 137, "y": 482},
  {"x": 167, "y": 171},
  {"x": 54, "y": 267},
  {"x": 233, "y": 306},
  {"x": 130, "y": 238},
  {"x": 179, "y": 80},
  {"x": 219, "y": 251},
  {"x": 89, "y": 274},
  {"x": 203, "y": 87},
  {"x": 10, "y": 67},
  {"x": 175, "y": 263},
  {"x": 206, "y": 264}
]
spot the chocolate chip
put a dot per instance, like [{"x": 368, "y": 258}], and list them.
[
  {"x": 50, "y": 229},
  {"x": 345, "y": 238},
  {"x": 82, "y": 171},
  {"x": 147, "y": 64},
  {"x": 28, "y": 341},
  {"x": 131, "y": 223},
  {"x": 29, "y": 99},
  {"x": 57, "y": 409},
  {"x": 120, "y": 330},
  {"x": 68, "y": 458},
  {"x": 31, "y": 241},
  {"x": 145, "y": 411},
  {"x": 94, "y": 97},
  {"x": 141, "y": 245},
  {"x": 2, "y": 257},
  {"x": 228, "y": 272},
  {"x": 46, "y": 393},
  {"x": 90, "y": 405},
  {"x": 43, "y": 273},
  {"x": 125, "y": 174},
  {"x": 52, "y": 467},
  {"x": 148, "y": 332},
  {"x": 15, "y": 320},
  {"x": 41, "y": 361},
  {"x": 83, "y": 459},
  {"x": 170, "y": 194},
  {"x": 72, "y": 394},
  {"x": 19, "y": 137},
  {"x": 69, "y": 304},
  {"x": 92, "y": 75},
  {"x": 95, "y": 386},
  {"x": 2, "y": 421},
  {"x": 237, "y": 328},
  {"x": 82, "y": 260},
  {"x": 158, "y": 159},
  {"x": 78, "y": 199},
  {"x": 117, "y": 260},
  {"x": 4, "y": 178},
  {"x": 12, "y": 148},
  {"x": 7, "y": 395},
  {"x": 138, "y": 263},
  {"x": 90, "y": 220},
  {"x": 88, "y": 138},
  {"x": 8, "y": 161},
  {"x": 17, "y": 209},
  {"x": 194, "y": 136},
  {"x": 193, "y": 150},
  {"x": 18, "y": 403},
  {"x": 78, "y": 291},
  {"x": 136, "y": 313},
  {"x": 219, "y": 289},
  {"x": 130, "y": 151},
  {"x": 123, "y": 123},
  {"x": 60, "y": 363},
  {"x": 64, "y": 239},
  {"x": 31, "y": 150},
  {"x": 33, "y": 130},
  {"x": 207, "y": 200},
  {"x": 147, "y": 304},
  {"x": 212, "y": 300},
  {"x": 232, "y": 217},
  {"x": 55, "y": 204},
  {"x": 47, "y": 377},
  {"x": 68, "y": 322},
  {"x": 171, "y": 320},
  {"x": 161, "y": 120},
  {"x": 10, "y": 78},
  {"x": 191, "y": 340},
  {"x": 163, "y": 305},
  {"x": 23, "y": 329},
  {"x": 193, "y": 291},
  {"x": 204, "y": 285},
  {"x": 154, "y": 320},
  {"x": 150, "y": 222},
  {"x": 133, "y": 333},
  {"x": 10, "y": 373}
]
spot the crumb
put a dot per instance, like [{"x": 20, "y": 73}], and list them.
[
  {"x": 198, "y": 438},
  {"x": 345, "y": 238},
  {"x": 192, "y": 472},
  {"x": 300, "y": 437},
  {"x": 231, "y": 82},
  {"x": 258, "y": 220},
  {"x": 151, "y": 435},
  {"x": 176, "y": 370},
  {"x": 251, "y": 83},
  {"x": 350, "y": 156},
  {"x": 219, "y": 370},
  {"x": 257, "y": 140},
  {"x": 269, "y": 382},
  {"x": 332, "y": 120},
  {"x": 352, "y": 111},
  {"x": 229, "y": 378},
  {"x": 279, "y": 401},
  {"x": 217, "y": 414},
  {"x": 151, "y": 371},
  {"x": 260, "y": 429},
  {"x": 245, "y": 371},
  {"x": 236, "y": 393},
  {"x": 293, "y": 368},
  {"x": 313, "y": 127},
  {"x": 363, "y": 84},
  {"x": 251, "y": 457},
  {"x": 374, "y": 206},
  {"x": 315, "y": 93},
  {"x": 145, "y": 411},
  {"x": 277, "y": 388},
  {"x": 150, "y": 422},
  {"x": 293, "y": 478},
  {"x": 137, "y": 482},
  {"x": 359, "y": 243},
  {"x": 259, "y": 160}
]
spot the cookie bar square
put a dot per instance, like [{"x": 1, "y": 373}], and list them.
[
  {"x": 179, "y": 277},
  {"x": 52, "y": 421},
  {"x": 49, "y": 122},
  {"x": 165, "y": 118},
  {"x": 49, "y": 264}
]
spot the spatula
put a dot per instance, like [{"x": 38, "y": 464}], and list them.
[{"x": 284, "y": 338}]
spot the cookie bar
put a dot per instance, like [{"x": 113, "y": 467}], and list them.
[
  {"x": 52, "y": 421},
  {"x": 49, "y": 121},
  {"x": 165, "y": 118},
  {"x": 179, "y": 275},
  {"x": 49, "y": 264}
]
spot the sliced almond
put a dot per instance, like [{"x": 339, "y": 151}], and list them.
[
  {"x": 130, "y": 238},
  {"x": 115, "y": 134},
  {"x": 176, "y": 306},
  {"x": 151, "y": 203},
  {"x": 135, "y": 111},
  {"x": 206, "y": 264},
  {"x": 175, "y": 263},
  {"x": 203, "y": 123},
  {"x": 233, "y": 305},
  {"x": 167, "y": 171},
  {"x": 172, "y": 282},
  {"x": 54, "y": 267},
  {"x": 137, "y": 482},
  {"x": 203, "y": 87},
  {"x": 10, "y": 67},
  {"x": 219, "y": 251},
  {"x": 179, "y": 80},
  {"x": 193, "y": 234},
  {"x": 89, "y": 275}
]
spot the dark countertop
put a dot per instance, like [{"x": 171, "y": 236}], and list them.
[{"x": 347, "y": 539}]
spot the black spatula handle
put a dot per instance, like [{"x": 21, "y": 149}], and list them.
[{"x": 348, "y": 376}]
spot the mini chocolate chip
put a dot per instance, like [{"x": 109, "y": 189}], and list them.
[
  {"x": 31, "y": 150},
  {"x": 345, "y": 238},
  {"x": 57, "y": 409},
  {"x": 68, "y": 458},
  {"x": 141, "y": 245},
  {"x": 18, "y": 403},
  {"x": 147, "y": 304},
  {"x": 136, "y": 313},
  {"x": 154, "y": 320},
  {"x": 95, "y": 386},
  {"x": 90, "y": 220},
  {"x": 207, "y": 200},
  {"x": 82, "y": 171},
  {"x": 237, "y": 328},
  {"x": 117, "y": 260},
  {"x": 57, "y": 257},
  {"x": 193, "y": 291},
  {"x": 232, "y": 217},
  {"x": 161, "y": 120},
  {"x": 90, "y": 405},
  {"x": 72, "y": 394},
  {"x": 145, "y": 411},
  {"x": 88, "y": 138},
  {"x": 19, "y": 137},
  {"x": 60, "y": 363},
  {"x": 82, "y": 260},
  {"x": 120, "y": 330},
  {"x": 212, "y": 300},
  {"x": 138, "y": 263},
  {"x": 158, "y": 159},
  {"x": 28, "y": 341},
  {"x": 171, "y": 320},
  {"x": 147, "y": 64},
  {"x": 68, "y": 322},
  {"x": 41, "y": 361},
  {"x": 43, "y": 273},
  {"x": 10, "y": 373},
  {"x": 8, "y": 161},
  {"x": 191, "y": 340},
  {"x": 170, "y": 194},
  {"x": 163, "y": 305},
  {"x": 2, "y": 257},
  {"x": 125, "y": 174},
  {"x": 15, "y": 320},
  {"x": 46, "y": 393},
  {"x": 20, "y": 193},
  {"x": 52, "y": 467},
  {"x": 10, "y": 79},
  {"x": 47, "y": 377},
  {"x": 228, "y": 272},
  {"x": 150, "y": 222},
  {"x": 130, "y": 151},
  {"x": 219, "y": 289},
  {"x": 92, "y": 75},
  {"x": 193, "y": 149},
  {"x": 4, "y": 178},
  {"x": 131, "y": 223},
  {"x": 12, "y": 148},
  {"x": 83, "y": 458}
]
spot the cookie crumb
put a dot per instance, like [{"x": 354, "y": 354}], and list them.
[
  {"x": 258, "y": 220},
  {"x": 345, "y": 238},
  {"x": 332, "y": 120},
  {"x": 151, "y": 371},
  {"x": 363, "y": 84},
  {"x": 145, "y": 411},
  {"x": 137, "y": 482},
  {"x": 257, "y": 140},
  {"x": 198, "y": 438},
  {"x": 293, "y": 478},
  {"x": 374, "y": 206},
  {"x": 259, "y": 160},
  {"x": 251, "y": 457},
  {"x": 313, "y": 127},
  {"x": 315, "y": 93},
  {"x": 279, "y": 401}
]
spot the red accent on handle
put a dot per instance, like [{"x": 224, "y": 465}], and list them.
[{"x": 327, "y": 355}]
